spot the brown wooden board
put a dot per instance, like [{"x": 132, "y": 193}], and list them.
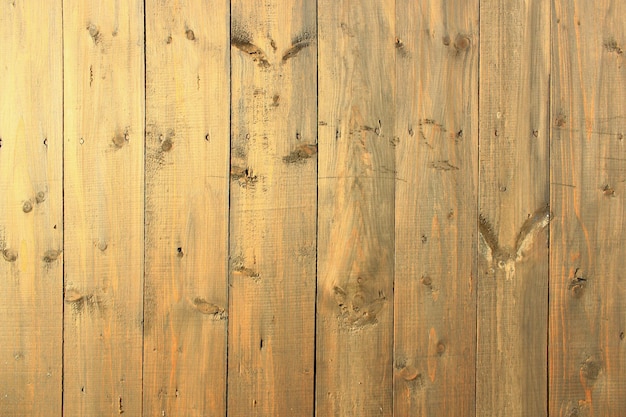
[
  {"x": 31, "y": 208},
  {"x": 273, "y": 175},
  {"x": 104, "y": 207},
  {"x": 436, "y": 208},
  {"x": 357, "y": 78},
  {"x": 187, "y": 148},
  {"x": 511, "y": 378},
  {"x": 587, "y": 360}
]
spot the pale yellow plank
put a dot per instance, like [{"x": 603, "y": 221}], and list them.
[
  {"x": 187, "y": 148},
  {"x": 356, "y": 207},
  {"x": 31, "y": 211},
  {"x": 273, "y": 207},
  {"x": 104, "y": 207},
  {"x": 436, "y": 208},
  {"x": 511, "y": 374}
]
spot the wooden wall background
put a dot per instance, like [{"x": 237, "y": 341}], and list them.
[{"x": 298, "y": 208}]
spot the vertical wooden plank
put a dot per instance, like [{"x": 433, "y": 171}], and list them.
[
  {"x": 187, "y": 148},
  {"x": 104, "y": 210},
  {"x": 514, "y": 212},
  {"x": 587, "y": 359},
  {"x": 436, "y": 208},
  {"x": 31, "y": 208},
  {"x": 356, "y": 207},
  {"x": 273, "y": 208}
]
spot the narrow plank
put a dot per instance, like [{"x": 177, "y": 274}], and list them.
[
  {"x": 31, "y": 208},
  {"x": 511, "y": 377},
  {"x": 587, "y": 358},
  {"x": 356, "y": 208},
  {"x": 436, "y": 208},
  {"x": 187, "y": 148},
  {"x": 273, "y": 208},
  {"x": 104, "y": 210}
]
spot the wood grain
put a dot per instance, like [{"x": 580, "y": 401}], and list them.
[
  {"x": 31, "y": 209},
  {"x": 587, "y": 362},
  {"x": 356, "y": 208},
  {"x": 272, "y": 208},
  {"x": 104, "y": 207},
  {"x": 514, "y": 214},
  {"x": 436, "y": 208},
  {"x": 187, "y": 148},
  {"x": 173, "y": 243}
]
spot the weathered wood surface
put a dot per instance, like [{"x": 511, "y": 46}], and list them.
[
  {"x": 187, "y": 148},
  {"x": 587, "y": 359},
  {"x": 104, "y": 207},
  {"x": 436, "y": 207},
  {"x": 356, "y": 208},
  {"x": 31, "y": 210},
  {"x": 273, "y": 203},
  {"x": 511, "y": 378},
  {"x": 312, "y": 207}
]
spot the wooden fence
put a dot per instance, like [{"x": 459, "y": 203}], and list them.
[{"x": 292, "y": 208}]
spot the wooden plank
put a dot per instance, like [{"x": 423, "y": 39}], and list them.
[
  {"x": 104, "y": 210},
  {"x": 356, "y": 208},
  {"x": 436, "y": 208},
  {"x": 273, "y": 208},
  {"x": 587, "y": 359},
  {"x": 31, "y": 208},
  {"x": 514, "y": 214},
  {"x": 187, "y": 148}
]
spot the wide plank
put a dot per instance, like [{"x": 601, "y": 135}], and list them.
[
  {"x": 104, "y": 207},
  {"x": 273, "y": 203},
  {"x": 511, "y": 374},
  {"x": 587, "y": 349},
  {"x": 436, "y": 208},
  {"x": 31, "y": 208},
  {"x": 357, "y": 118},
  {"x": 187, "y": 148}
]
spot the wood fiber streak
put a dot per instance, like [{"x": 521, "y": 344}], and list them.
[
  {"x": 587, "y": 362},
  {"x": 187, "y": 148},
  {"x": 513, "y": 205},
  {"x": 436, "y": 208},
  {"x": 356, "y": 208},
  {"x": 272, "y": 208},
  {"x": 104, "y": 207},
  {"x": 31, "y": 209}
]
